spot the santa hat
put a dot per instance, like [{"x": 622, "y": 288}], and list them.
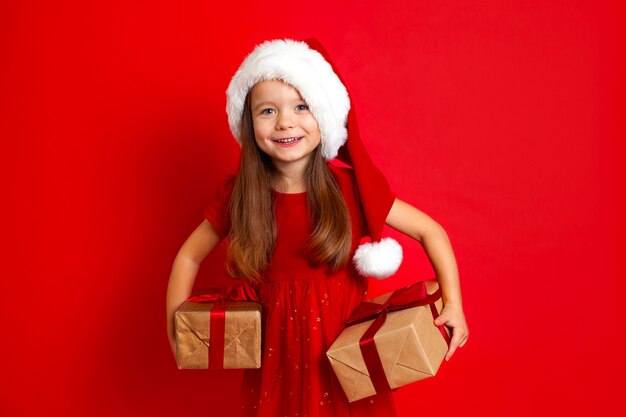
[{"x": 306, "y": 66}]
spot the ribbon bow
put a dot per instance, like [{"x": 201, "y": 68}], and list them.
[
  {"x": 217, "y": 323},
  {"x": 220, "y": 295},
  {"x": 413, "y": 295}
]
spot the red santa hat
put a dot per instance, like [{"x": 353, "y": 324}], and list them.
[{"x": 306, "y": 66}]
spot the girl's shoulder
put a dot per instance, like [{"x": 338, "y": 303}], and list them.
[
  {"x": 216, "y": 208},
  {"x": 346, "y": 179},
  {"x": 226, "y": 184},
  {"x": 344, "y": 175}
]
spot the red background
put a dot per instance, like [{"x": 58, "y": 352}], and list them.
[{"x": 499, "y": 119}]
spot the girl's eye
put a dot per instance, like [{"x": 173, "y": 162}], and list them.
[
  {"x": 267, "y": 111},
  {"x": 302, "y": 107}
]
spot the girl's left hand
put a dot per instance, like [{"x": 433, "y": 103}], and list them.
[{"x": 452, "y": 316}]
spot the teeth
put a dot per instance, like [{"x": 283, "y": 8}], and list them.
[{"x": 290, "y": 140}]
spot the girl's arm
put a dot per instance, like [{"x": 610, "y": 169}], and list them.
[
  {"x": 416, "y": 224},
  {"x": 197, "y": 246}
]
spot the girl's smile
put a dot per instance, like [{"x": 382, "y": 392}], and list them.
[{"x": 288, "y": 141}]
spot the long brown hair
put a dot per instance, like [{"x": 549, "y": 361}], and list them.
[{"x": 252, "y": 223}]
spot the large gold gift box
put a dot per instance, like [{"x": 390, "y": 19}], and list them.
[
  {"x": 409, "y": 345},
  {"x": 242, "y": 335}
]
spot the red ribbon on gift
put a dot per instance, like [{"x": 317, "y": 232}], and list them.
[
  {"x": 217, "y": 323},
  {"x": 413, "y": 295}
]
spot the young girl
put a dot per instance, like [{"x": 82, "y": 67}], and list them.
[{"x": 294, "y": 221}]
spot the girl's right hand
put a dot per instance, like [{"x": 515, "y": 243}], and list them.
[
  {"x": 171, "y": 334},
  {"x": 173, "y": 345}
]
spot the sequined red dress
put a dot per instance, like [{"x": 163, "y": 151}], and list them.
[{"x": 303, "y": 312}]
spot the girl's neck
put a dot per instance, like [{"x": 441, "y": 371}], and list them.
[
  {"x": 290, "y": 182},
  {"x": 289, "y": 186}
]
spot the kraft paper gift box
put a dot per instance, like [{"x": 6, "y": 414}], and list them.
[
  {"x": 220, "y": 329},
  {"x": 407, "y": 347}
]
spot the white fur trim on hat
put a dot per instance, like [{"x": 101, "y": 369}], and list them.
[
  {"x": 306, "y": 70},
  {"x": 378, "y": 259}
]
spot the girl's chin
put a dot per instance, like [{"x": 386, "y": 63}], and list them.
[{"x": 285, "y": 159}]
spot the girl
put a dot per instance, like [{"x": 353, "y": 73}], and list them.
[{"x": 294, "y": 220}]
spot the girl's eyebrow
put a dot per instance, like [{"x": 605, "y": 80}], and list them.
[{"x": 264, "y": 102}]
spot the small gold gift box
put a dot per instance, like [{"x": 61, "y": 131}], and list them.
[
  {"x": 220, "y": 334},
  {"x": 410, "y": 347}
]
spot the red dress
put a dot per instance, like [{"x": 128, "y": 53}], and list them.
[{"x": 304, "y": 308}]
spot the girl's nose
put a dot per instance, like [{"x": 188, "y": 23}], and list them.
[{"x": 284, "y": 121}]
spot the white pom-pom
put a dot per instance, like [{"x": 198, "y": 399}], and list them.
[{"x": 378, "y": 259}]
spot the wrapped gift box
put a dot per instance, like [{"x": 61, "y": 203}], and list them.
[
  {"x": 409, "y": 345},
  {"x": 221, "y": 334}
]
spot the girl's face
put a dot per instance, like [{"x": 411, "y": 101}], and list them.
[{"x": 284, "y": 127}]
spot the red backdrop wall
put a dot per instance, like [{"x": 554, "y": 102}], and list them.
[{"x": 501, "y": 120}]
